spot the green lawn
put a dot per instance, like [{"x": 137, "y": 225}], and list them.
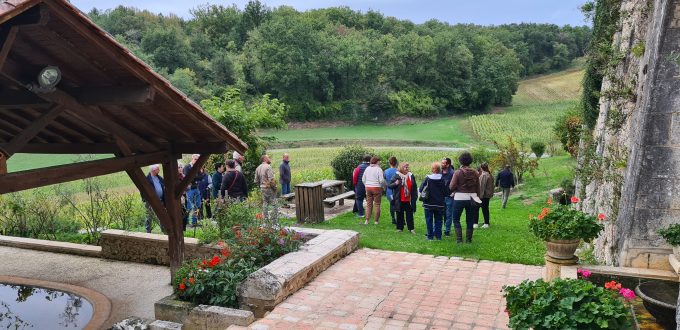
[{"x": 508, "y": 239}]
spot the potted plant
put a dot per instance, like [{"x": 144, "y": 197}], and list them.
[
  {"x": 562, "y": 227},
  {"x": 567, "y": 304},
  {"x": 672, "y": 235}
]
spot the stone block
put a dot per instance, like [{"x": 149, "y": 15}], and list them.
[
  {"x": 648, "y": 257},
  {"x": 172, "y": 309},
  {"x": 164, "y": 325},
  {"x": 206, "y": 317}
]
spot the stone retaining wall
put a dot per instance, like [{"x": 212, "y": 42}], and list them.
[
  {"x": 148, "y": 248},
  {"x": 51, "y": 246}
]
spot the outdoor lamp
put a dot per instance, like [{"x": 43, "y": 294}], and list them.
[{"x": 49, "y": 77}]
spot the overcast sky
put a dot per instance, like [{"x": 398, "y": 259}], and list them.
[{"x": 483, "y": 12}]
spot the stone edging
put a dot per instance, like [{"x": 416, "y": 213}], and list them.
[
  {"x": 101, "y": 306},
  {"x": 269, "y": 285},
  {"x": 51, "y": 246}
]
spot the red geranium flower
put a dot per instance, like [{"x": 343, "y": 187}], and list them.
[
  {"x": 601, "y": 216},
  {"x": 204, "y": 263},
  {"x": 182, "y": 286},
  {"x": 192, "y": 280},
  {"x": 259, "y": 216},
  {"x": 214, "y": 262},
  {"x": 225, "y": 252},
  {"x": 575, "y": 199},
  {"x": 612, "y": 285}
]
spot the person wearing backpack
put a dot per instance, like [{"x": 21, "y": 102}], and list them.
[
  {"x": 432, "y": 193},
  {"x": 234, "y": 183}
]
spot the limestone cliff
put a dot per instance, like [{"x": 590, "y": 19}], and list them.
[{"x": 628, "y": 167}]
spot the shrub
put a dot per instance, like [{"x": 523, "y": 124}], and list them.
[
  {"x": 232, "y": 213},
  {"x": 538, "y": 148},
  {"x": 671, "y": 234},
  {"x": 413, "y": 103},
  {"x": 568, "y": 130},
  {"x": 347, "y": 159},
  {"x": 480, "y": 154},
  {"x": 515, "y": 155},
  {"x": 566, "y": 304},
  {"x": 563, "y": 222}
]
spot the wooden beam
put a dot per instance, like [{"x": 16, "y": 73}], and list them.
[
  {"x": 19, "y": 99},
  {"x": 31, "y": 131},
  {"x": 3, "y": 164},
  {"x": 110, "y": 148},
  {"x": 7, "y": 44},
  {"x": 114, "y": 95},
  {"x": 65, "y": 148},
  {"x": 174, "y": 208},
  {"x": 21, "y": 119},
  {"x": 17, "y": 181},
  {"x": 38, "y": 15},
  {"x": 191, "y": 175},
  {"x": 15, "y": 130}
]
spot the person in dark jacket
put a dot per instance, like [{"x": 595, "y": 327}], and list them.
[
  {"x": 434, "y": 204},
  {"x": 204, "y": 188},
  {"x": 465, "y": 189},
  {"x": 233, "y": 183},
  {"x": 359, "y": 188},
  {"x": 193, "y": 194},
  {"x": 405, "y": 195},
  {"x": 284, "y": 175},
  {"x": 217, "y": 180},
  {"x": 506, "y": 181},
  {"x": 447, "y": 175},
  {"x": 156, "y": 181}
]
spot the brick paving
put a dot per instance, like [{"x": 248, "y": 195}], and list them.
[{"x": 375, "y": 289}]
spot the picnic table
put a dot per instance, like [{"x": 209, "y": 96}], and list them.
[{"x": 333, "y": 187}]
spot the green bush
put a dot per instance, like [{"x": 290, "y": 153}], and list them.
[
  {"x": 538, "y": 148},
  {"x": 216, "y": 286},
  {"x": 480, "y": 154},
  {"x": 347, "y": 159},
  {"x": 413, "y": 103},
  {"x": 232, "y": 213},
  {"x": 564, "y": 304},
  {"x": 568, "y": 130},
  {"x": 671, "y": 234}
]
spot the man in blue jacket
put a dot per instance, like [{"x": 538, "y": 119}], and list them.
[
  {"x": 506, "y": 181},
  {"x": 156, "y": 181}
]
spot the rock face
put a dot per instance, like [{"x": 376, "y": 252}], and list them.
[{"x": 635, "y": 149}]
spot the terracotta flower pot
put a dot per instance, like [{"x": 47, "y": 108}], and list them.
[{"x": 562, "y": 248}]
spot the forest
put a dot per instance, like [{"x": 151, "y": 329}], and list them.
[{"x": 337, "y": 63}]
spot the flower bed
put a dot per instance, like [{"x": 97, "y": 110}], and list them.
[{"x": 568, "y": 304}]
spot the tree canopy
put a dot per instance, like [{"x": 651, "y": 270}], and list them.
[{"x": 341, "y": 63}]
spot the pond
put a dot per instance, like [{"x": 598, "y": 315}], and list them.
[{"x": 27, "y": 307}]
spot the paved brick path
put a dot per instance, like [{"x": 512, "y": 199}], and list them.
[{"x": 375, "y": 289}]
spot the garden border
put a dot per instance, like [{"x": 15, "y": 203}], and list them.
[{"x": 271, "y": 284}]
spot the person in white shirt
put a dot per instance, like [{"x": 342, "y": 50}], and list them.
[{"x": 374, "y": 180}]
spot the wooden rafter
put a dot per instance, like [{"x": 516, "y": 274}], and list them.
[
  {"x": 110, "y": 148},
  {"x": 24, "y": 120},
  {"x": 14, "y": 129},
  {"x": 17, "y": 181},
  {"x": 31, "y": 131},
  {"x": 7, "y": 44}
]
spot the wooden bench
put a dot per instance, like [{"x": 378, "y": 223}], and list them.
[
  {"x": 288, "y": 197},
  {"x": 330, "y": 201}
]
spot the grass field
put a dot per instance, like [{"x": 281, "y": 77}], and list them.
[
  {"x": 507, "y": 240},
  {"x": 538, "y": 102}
]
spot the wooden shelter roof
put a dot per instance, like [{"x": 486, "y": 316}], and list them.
[{"x": 106, "y": 93}]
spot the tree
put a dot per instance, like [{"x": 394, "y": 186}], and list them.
[
  {"x": 230, "y": 110},
  {"x": 515, "y": 155}
]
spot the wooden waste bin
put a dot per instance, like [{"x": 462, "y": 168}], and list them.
[{"x": 309, "y": 202}]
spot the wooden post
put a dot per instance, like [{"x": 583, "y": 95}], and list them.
[
  {"x": 3, "y": 163},
  {"x": 174, "y": 208}
]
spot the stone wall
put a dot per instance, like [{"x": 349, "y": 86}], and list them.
[
  {"x": 636, "y": 142},
  {"x": 148, "y": 248}
]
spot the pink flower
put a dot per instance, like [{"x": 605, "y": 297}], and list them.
[
  {"x": 575, "y": 199},
  {"x": 628, "y": 294},
  {"x": 601, "y": 216},
  {"x": 583, "y": 272}
]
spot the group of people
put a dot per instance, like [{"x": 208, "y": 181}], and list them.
[
  {"x": 445, "y": 193},
  {"x": 227, "y": 181}
]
